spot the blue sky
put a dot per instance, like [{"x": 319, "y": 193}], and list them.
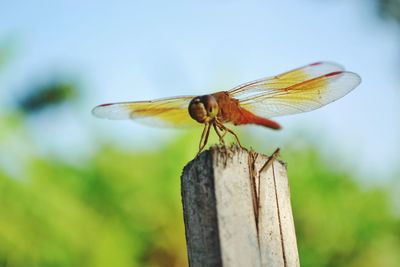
[{"x": 136, "y": 51}]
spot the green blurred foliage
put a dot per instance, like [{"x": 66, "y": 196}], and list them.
[
  {"x": 390, "y": 9},
  {"x": 338, "y": 221},
  {"x": 123, "y": 208},
  {"x": 49, "y": 94}
]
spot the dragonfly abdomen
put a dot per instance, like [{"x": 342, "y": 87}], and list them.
[{"x": 249, "y": 118}]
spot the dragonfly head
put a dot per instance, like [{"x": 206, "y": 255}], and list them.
[{"x": 204, "y": 108}]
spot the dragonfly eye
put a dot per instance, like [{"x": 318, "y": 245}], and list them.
[
  {"x": 204, "y": 108},
  {"x": 212, "y": 106},
  {"x": 197, "y": 110}
]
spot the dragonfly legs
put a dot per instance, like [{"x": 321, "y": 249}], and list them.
[
  {"x": 222, "y": 127},
  {"x": 221, "y": 131},
  {"x": 220, "y": 135},
  {"x": 204, "y": 137}
]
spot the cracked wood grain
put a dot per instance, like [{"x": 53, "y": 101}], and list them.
[{"x": 237, "y": 210}]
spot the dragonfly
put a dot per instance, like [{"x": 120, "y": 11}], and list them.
[{"x": 299, "y": 90}]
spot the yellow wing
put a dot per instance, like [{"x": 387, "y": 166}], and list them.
[
  {"x": 165, "y": 112},
  {"x": 300, "y": 90}
]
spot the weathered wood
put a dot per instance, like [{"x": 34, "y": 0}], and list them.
[{"x": 235, "y": 214}]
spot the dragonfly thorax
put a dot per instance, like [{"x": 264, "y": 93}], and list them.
[{"x": 204, "y": 108}]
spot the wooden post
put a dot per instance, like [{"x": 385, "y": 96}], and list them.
[{"x": 237, "y": 210}]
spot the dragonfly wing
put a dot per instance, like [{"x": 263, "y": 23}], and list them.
[
  {"x": 165, "y": 112},
  {"x": 302, "y": 96},
  {"x": 286, "y": 79}
]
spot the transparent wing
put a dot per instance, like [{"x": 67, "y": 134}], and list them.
[
  {"x": 303, "y": 89},
  {"x": 286, "y": 79},
  {"x": 165, "y": 112}
]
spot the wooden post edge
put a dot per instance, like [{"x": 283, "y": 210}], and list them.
[{"x": 237, "y": 211}]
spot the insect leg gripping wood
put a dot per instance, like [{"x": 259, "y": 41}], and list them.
[{"x": 235, "y": 214}]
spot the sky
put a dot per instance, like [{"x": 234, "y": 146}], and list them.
[{"x": 132, "y": 50}]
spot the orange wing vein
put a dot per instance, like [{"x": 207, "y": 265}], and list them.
[
  {"x": 300, "y": 90},
  {"x": 165, "y": 112}
]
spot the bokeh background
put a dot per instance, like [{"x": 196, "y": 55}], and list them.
[{"x": 79, "y": 191}]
